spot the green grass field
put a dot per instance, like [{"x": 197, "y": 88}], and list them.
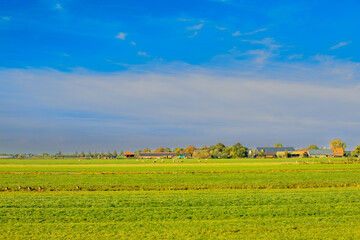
[{"x": 213, "y": 199}]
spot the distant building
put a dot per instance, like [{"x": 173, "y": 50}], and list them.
[
  {"x": 321, "y": 153},
  {"x": 271, "y": 151},
  {"x": 129, "y": 154},
  {"x": 161, "y": 154},
  {"x": 338, "y": 152},
  {"x": 292, "y": 154}
]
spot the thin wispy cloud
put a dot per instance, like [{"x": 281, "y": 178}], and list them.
[
  {"x": 193, "y": 35},
  {"x": 221, "y": 28},
  {"x": 340, "y": 44},
  {"x": 195, "y": 27},
  {"x": 144, "y": 54},
  {"x": 133, "y": 43},
  {"x": 238, "y": 33},
  {"x": 296, "y": 56},
  {"x": 256, "y": 31},
  {"x": 58, "y": 6},
  {"x": 269, "y": 42},
  {"x": 6, "y": 18},
  {"x": 186, "y": 19},
  {"x": 121, "y": 36}
]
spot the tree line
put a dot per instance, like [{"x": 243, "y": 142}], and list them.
[{"x": 218, "y": 150}]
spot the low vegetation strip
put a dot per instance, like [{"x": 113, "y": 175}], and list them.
[
  {"x": 186, "y": 172},
  {"x": 177, "y": 187},
  {"x": 180, "y": 181},
  {"x": 232, "y": 214},
  {"x": 194, "y": 167}
]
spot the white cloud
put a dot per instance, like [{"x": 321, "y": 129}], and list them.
[
  {"x": 261, "y": 55},
  {"x": 186, "y": 19},
  {"x": 193, "y": 35},
  {"x": 121, "y": 35},
  {"x": 133, "y": 43},
  {"x": 221, "y": 28},
  {"x": 295, "y": 56},
  {"x": 195, "y": 27},
  {"x": 58, "y": 6},
  {"x": 340, "y": 44},
  {"x": 6, "y": 18},
  {"x": 151, "y": 104},
  {"x": 256, "y": 31},
  {"x": 144, "y": 54},
  {"x": 238, "y": 33},
  {"x": 269, "y": 42}
]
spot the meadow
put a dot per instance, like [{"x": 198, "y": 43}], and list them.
[{"x": 213, "y": 199}]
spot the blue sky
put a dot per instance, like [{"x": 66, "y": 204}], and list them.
[{"x": 104, "y": 75}]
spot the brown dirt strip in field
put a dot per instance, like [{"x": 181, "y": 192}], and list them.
[{"x": 180, "y": 172}]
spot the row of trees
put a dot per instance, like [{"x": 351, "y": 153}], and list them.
[
  {"x": 218, "y": 150},
  {"x": 89, "y": 154}
]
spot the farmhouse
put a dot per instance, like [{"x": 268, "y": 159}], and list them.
[
  {"x": 292, "y": 154},
  {"x": 338, "y": 152},
  {"x": 161, "y": 154},
  {"x": 270, "y": 152},
  {"x": 129, "y": 154},
  {"x": 320, "y": 153}
]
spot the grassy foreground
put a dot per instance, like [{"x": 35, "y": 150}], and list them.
[{"x": 189, "y": 200}]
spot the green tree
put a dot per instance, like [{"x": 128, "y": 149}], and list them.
[
  {"x": 146, "y": 150},
  {"x": 190, "y": 149},
  {"x": 44, "y": 154},
  {"x": 178, "y": 151},
  {"x": 278, "y": 145},
  {"x": 115, "y": 154},
  {"x": 160, "y": 149},
  {"x": 137, "y": 153},
  {"x": 313, "y": 147},
  {"x": 201, "y": 154},
  {"x": 82, "y": 154},
  {"x": 89, "y": 155},
  {"x": 337, "y": 143},
  {"x": 356, "y": 152},
  {"x": 59, "y": 154},
  {"x": 220, "y": 146},
  {"x": 167, "y": 149},
  {"x": 238, "y": 151},
  {"x": 261, "y": 153}
]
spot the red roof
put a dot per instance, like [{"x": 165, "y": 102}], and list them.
[{"x": 128, "y": 153}]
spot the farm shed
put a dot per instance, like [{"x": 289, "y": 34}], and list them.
[
  {"x": 271, "y": 151},
  {"x": 292, "y": 154},
  {"x": 338, "y": 152},
  {"x": 320, "y": 153},
  {"x": 160, "y": 154},
  {"x": 129, "y": 154}
]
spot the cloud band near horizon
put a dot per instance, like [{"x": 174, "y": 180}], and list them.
[{"x": 50, "y": 110}]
